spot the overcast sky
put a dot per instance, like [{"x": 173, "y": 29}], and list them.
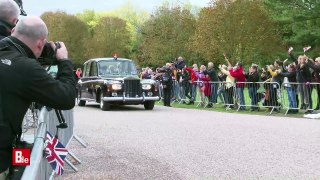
[{"x": 37, "y": 7}]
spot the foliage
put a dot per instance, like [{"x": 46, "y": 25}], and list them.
[
  {"x": 70, "y": 30},
  {"x": 227, "y": 27},
  {"x": 299, "y": 22},
  {"x": 110, "y": 36},
  {"x": 134, "y": 18},
  {"x": 250, "y": 30},
  {"x": 166, "y": 35},
  {"x": 90, "y": 18}
]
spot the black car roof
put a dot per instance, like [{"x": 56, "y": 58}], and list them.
[{"x": 107, "y": 59}]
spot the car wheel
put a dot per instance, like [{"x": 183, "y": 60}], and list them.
[
  {"x": 148, "y": 105},
  {"x": 104, "y": 105},
  {"x": 81, "y": 103}
]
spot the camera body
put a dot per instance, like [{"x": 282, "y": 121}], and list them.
[
  {"x": 48, "y": 55},
  {"x": 164, "y": 70}
]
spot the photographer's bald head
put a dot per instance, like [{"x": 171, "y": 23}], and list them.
[
  {"x": 33, "y": 32},
  {"x": 9, "y": 11}
]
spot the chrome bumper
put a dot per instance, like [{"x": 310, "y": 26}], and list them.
[{"x": 124, "y": 99}]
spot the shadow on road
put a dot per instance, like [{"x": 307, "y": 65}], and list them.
[{"x": 119, "y": 107}]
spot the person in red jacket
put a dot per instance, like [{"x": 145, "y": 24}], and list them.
[
  {"x": 207, "y": 86},
  {"x": 238, "y": 74},
  {"x": 194, "y": 77}
]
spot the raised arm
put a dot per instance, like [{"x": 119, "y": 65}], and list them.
[
  {"x": 227, "y": 60},
  {"x": 224, "y": 71},
  {"x": 291, "y": 56}
]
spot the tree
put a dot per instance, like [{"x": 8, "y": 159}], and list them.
[
  {"x": 299, "y": 21},
  {"x": 90, "y": 18},
  {"x": 110, "y": 36},
  {"x": 166, "y": 35},
  {"x": 227, "y": 27},
  {"x": 134, "y": 18},
  {"x": 70, "y": 30}
]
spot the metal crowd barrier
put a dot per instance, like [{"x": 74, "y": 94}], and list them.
[
  {"x": 39, "y": 167},
  {"x": 240, "y": 95},
  {"x": 305, "y": 96},
  {"x": 245, "y": 95},
  {"x": 258, "y": 95},
  {"x": 227, "y": 92}
]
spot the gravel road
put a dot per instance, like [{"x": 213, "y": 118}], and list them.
[{"x": 168, "y": 143}]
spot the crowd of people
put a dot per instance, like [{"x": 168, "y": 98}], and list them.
[{"x": 297, "y": 75}]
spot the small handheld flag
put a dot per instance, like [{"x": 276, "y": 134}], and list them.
[{"x": 55, "y": 153}]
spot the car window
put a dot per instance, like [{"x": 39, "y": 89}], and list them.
[
  {"x": 86, "y": 69},
  {"x": 93, "y": 69},
  {"x": 116, "y": 67},
  {"x": 52, "y": 69}
]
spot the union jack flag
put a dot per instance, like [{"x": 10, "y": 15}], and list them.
[{"x": 55, "y": 153}]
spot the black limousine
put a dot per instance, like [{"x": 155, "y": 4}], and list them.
[{"x": 114, "y": 81}]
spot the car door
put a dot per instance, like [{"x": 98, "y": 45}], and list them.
[
  {"x": 94, "y": 80},
  {"x": 84, "y": 81}
]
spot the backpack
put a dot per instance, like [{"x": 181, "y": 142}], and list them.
[
  {"x": 165, "y": 77},
  {"x": 165, "y": 80}
]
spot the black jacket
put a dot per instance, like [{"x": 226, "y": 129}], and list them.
[
  {"x": 303, "y": 72},
  {"x": 166, "y": 72},
  {"x": 292, "y": 77},
  {"x": 252, "y": 77},
  {"x": 213, "y": 75},
  {"x": 23, "y": 81},
  {"x": 180, "y": 65},
  {"x": 5, "y": 29},
  {"x": 313, "y": 66}
]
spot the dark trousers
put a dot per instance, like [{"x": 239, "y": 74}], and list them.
[
  {"x": 318, "y": 93},
  {"x": 187, "y": 90},
  {"x": 166, "y": 96},
  {"x": 214, "y": 90},
  {"x": 229, "y": 96},
  {"x": 253, "y": 96}
]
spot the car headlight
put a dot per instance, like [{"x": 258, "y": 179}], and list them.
[
  {"x": 146, "y": 86},
  {"x": 116, "y": 86}
]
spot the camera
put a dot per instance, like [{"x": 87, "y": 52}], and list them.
[
  {"x": 175, "y": 61},
  {"x": 162, "y": 70},
  {"x": 22, "y": 12},
  {"x": 48, "y": 55}
]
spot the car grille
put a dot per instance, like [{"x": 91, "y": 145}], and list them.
[{"x": 132, "y": 87}]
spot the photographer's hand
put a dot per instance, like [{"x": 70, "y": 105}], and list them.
[
  {"x": 290, "y": 50},
  {"x": 62, "y": 52},
  {"x": 305, "y": 49}
]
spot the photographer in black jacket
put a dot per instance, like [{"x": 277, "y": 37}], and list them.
[
  {"x": 24, "y": 80},
  {"x": 214, "y": 86},
  {"x": 9, "y": 13},
  {"x": 166, "y": 80}
]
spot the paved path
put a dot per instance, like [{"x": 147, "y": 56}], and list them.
[{"x": 167, "y": 143}]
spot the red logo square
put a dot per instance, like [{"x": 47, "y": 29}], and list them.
[{"x": 21, "y": 157}]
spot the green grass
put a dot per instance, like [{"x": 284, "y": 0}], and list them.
[
  {"x": 263, "y": 111},
  {"x": 220, "y": 108}
]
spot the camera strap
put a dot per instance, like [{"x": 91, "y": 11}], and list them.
[{"x": 62, "y": 122}]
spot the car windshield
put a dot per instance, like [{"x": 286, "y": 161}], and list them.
[
  {"x": 116, "y": 68},
  {"x": 52, "y": 69}
]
